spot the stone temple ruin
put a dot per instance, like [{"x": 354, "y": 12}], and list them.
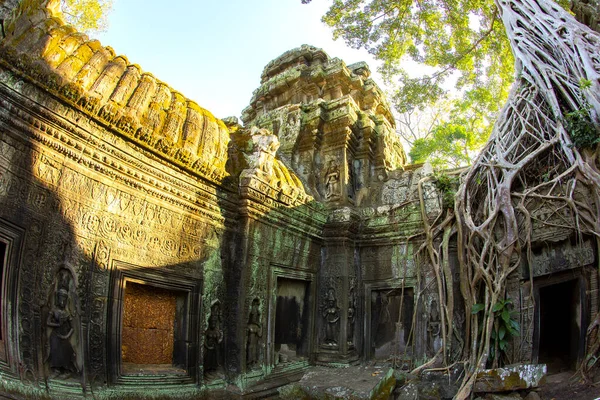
[{"x": 147, "y": 246}]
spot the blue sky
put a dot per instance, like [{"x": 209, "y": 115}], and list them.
[{"x": 214, "y": 51}]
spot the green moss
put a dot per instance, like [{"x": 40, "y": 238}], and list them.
[{"x": 385, "y": 387}]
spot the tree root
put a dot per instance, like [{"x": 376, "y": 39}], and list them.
[{"x": 529, "y": 176}]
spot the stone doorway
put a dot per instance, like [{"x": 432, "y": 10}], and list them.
[
  {"x": 391, "y": 312},
  {"x": 559, "y": 325},
  {"x": 292, "y": 320},
  {"x": 151, "y": 317},
  {"x": 153, "y": 325}
]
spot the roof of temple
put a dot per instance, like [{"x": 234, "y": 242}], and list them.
[
  {"x": 307, "y": 73},
  {"x": 301, "y": 89},
  {"x": 94, "y": 79}
]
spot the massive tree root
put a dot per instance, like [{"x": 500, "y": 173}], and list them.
[{"x": 529, "y": 164}]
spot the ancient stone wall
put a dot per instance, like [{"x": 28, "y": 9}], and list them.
[
  {"x": 334, "y": 123},
  {"x": 139, "y": 185},
  {"x": 131, "y": 218},
  {"x": 89, "y": 203}
]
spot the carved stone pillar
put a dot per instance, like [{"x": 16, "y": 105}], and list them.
[
  {"x": 337, "y": 290},
  {"x": 339, "y": 145}
]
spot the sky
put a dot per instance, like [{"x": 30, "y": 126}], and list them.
[{"x": 213, "y": 52}]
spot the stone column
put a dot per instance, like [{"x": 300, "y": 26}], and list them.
[{"x": 336, "y": 278}]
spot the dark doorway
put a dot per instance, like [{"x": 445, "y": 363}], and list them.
[
  {"x": 559, "y": 331},
  {"x": 291, "y": 320},
  {"x": 391, "y": 320}
]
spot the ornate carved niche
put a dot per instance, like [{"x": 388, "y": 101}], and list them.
[
  {"x": 153, "y": 326},
  {"x": 11, "y": 240}
]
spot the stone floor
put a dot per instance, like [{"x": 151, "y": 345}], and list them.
[
  {"x": 367, "y": 382},
  {"x": 564, "y": 386}
]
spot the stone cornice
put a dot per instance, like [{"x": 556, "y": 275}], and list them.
[
  {"x": 117, "y": 94},
  {"x": 87, "y": 144}
]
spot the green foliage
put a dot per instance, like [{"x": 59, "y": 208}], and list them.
[
  {"x": 86, "y": 16},
  {"x": 447, "y": 185},
  {"x": 505, "y": 326},
  {"x": 454, "y": 143},
  {"x": 447, "y": 146},
  {"x": 581, "y": 129},
  {"x": 585, "y": 84},
  {"x": 452, "y": 36},
  {"x": 579, "y": 124}
]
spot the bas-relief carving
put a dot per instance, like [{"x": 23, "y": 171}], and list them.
[
  {"x": 97, "y": 311},
  {"x": 213, "y": 340},
  {"x": 253, "y": 335},
  {"x": 331, "y": 318},
  {"x": 62, "y": 327},
  {"x": 331, "y": 181},
  {"x": 396, "y": 191},
  {"x": 351, "y": 317},
  {"x": 527, "y": 321},
  {"x": 434, "y": 341},
  {"x": 561, "y": 257},
  {"x": 133, "y": 209},
  {"x": 262, "y": 154}
]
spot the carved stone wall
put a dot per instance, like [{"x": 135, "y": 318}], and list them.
[
  {"x": 334, "y": 123},
  {"x": 85, "y": 197},
  {"x": 108, "y": 177}
]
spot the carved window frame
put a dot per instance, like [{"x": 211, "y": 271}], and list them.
[
  {"x": 12, "y": 237},
  {"x": 369, "y": 288},
  {"x": 189, "y": 332},
  {"x": 285, "y": 272}
]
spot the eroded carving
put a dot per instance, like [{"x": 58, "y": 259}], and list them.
[
  {"x": 212, "y": 342},
  {"x": 332, "y": 181},
  {"x": 254, "y": 333},
  {"x": 62, "y": 326},
  {"x": 434, "y": 341},
  {"x": 351, "y": 317},
  {"x": 331, "y": 315}
]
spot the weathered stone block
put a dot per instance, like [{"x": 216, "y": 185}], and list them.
[
  {"x": 355, "y": 382},
  {"x": 510, "y": 378},
  {"x": 410, "y": 391}
]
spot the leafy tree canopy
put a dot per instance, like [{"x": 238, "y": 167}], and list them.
[
  {"x": 460, "y": 39},
  {"x": 455, "y": 140},
  {"x": 87, "y": 16}
]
